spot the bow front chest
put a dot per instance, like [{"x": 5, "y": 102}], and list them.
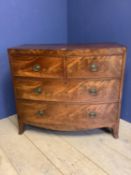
[{"x": 68, "y": 87}]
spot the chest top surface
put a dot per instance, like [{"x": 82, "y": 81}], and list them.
[{"x": 68, "y": 49}]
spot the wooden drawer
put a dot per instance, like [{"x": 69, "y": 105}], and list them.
[
  {"x": 94, "y": 66},
  {"x": 64, "y": 116},
  {"x": 72, "y": 90},
  {"x": 42, "y": 66}
]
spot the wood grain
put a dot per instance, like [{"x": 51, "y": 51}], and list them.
[
  {"x": 67, "y": 159},
  {"x": 68, "y": 50},
  {"x": 67, "y": 117},
  {"x": 6, "y": 168},
  {"x": 93, "y": 146},
  {"x": 107, "y": 66},
  {"x": 25, "y": 157},
  {"x": 51, "y": 67},
  {"x": 64, "y": 82},
  {"x": 72, "y": 90},
  {"x": 96, "y": 145}
]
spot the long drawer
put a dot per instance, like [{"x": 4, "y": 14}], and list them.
[
  {"x": 71, "y": 90},
  {"x": 62, "y": 116}
]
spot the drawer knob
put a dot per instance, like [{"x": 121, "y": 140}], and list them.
[
  {"x": 93, "y": 91},
  {"x": 38, "y": 90},
  {"x": 36, "y": 68},
  {"x": 41, "y": 113},
  {"x": 93, "y": 67},
  {"x": 92, "y": 114}
]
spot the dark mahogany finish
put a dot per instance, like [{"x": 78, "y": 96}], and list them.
[
  {"x": 68, "y": 87},
  {"x": 74, "y": 90}
]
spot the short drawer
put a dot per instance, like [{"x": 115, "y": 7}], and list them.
[
  {"x": 72, "y": 90},
  {"x": 37, "y": 66},
  {"x": 60, "y": 116},
  {"x": 94, "y": 66}
]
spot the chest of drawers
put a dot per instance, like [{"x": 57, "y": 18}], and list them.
[{"x": 68, "y": 87}]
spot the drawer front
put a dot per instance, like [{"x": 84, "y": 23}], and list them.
[
  {"x": 37, "y": 67},
  {"x": 92, "y": 67},
  {"x": 72, "y": 90},
  {"x": 60, "y": 116}
]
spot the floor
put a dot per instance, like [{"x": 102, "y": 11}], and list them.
[{"x": 43, "y": 152}]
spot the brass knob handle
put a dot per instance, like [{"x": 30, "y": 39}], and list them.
[
  {"x": 41, "y": 113},
  {"x": 93, "y": 91},
  {"x": 38, "y": 90},
  {"x": 93, "y": 67},
  {"x": 36, "y": 68},
  {"x": 92, "y": 114}
]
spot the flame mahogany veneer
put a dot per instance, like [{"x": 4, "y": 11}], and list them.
[{"x": 68, "y": 87}]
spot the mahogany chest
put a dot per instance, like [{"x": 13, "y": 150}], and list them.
[{"x": 68, "y": 87}]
